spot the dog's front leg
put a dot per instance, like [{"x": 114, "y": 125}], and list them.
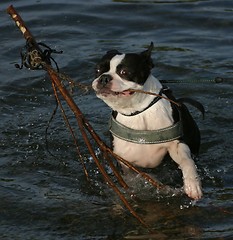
[{"x": 181, "y": 154}]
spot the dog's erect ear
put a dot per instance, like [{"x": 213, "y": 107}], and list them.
[
  {"x": 147, "y": 53},
  {"x": 147, "y": 56}
]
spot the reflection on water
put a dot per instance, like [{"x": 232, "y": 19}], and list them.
[{"x": 46, "y": 196}]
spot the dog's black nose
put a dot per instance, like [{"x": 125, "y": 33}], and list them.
[{"x": 104, "y": 79}]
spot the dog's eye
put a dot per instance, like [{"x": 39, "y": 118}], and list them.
[
  {"x": 123, "y": 72},
  {"x": 97, "y": 72}
]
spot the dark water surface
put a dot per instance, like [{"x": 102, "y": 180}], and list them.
[{"x": 47, "y": 197}]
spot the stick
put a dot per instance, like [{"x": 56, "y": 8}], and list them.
[
  {"x": 154, "y": 94},
  {"x": 82, "y": 122}
]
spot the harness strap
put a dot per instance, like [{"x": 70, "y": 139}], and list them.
[
  {"x": 155, "y": 100},
  {"x": 146, "y": 136}
]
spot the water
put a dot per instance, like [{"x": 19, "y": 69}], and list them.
[{"x": 47, "y": 197}]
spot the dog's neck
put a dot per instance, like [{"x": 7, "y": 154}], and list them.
[
  {"x": 154, "y": 101},
  {"x": 140, "y": 101}
]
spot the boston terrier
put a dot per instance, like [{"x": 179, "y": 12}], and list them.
[{"x": 145, "y": 128}]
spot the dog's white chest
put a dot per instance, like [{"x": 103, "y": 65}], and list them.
[
  {"x": 145, "y": 155},
  {"x": 142, "y": 155}
]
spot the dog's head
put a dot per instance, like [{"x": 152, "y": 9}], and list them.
[{"x": 117, "y": 74}]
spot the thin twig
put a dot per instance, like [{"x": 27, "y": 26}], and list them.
[
  {"x": 84, "y": 126},
  {"x": 71, "y": 131},
  {"x": 154, "y": 94}
]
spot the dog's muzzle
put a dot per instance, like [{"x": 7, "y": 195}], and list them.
[{"x": 104, "y": 79}]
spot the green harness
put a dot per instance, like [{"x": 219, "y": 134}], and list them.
[
  {"x": 153, "y": 136},
  {"x": 146, "y": 136}
]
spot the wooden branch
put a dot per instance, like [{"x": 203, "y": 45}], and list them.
[
  {"x": 20, "y": 23},
  {"x": 85, "y": 128}
]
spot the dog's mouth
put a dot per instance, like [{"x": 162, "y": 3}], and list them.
[
  {"x": 128, "y": 92},
  {"x": 106, "y": 92}
]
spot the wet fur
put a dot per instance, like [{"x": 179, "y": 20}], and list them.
[{"x": 116, "y": 73}]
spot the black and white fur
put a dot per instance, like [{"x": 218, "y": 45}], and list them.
[{"x": 115, "y": 75}]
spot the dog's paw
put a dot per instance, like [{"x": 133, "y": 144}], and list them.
[{"x": 192, "y": 188}]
